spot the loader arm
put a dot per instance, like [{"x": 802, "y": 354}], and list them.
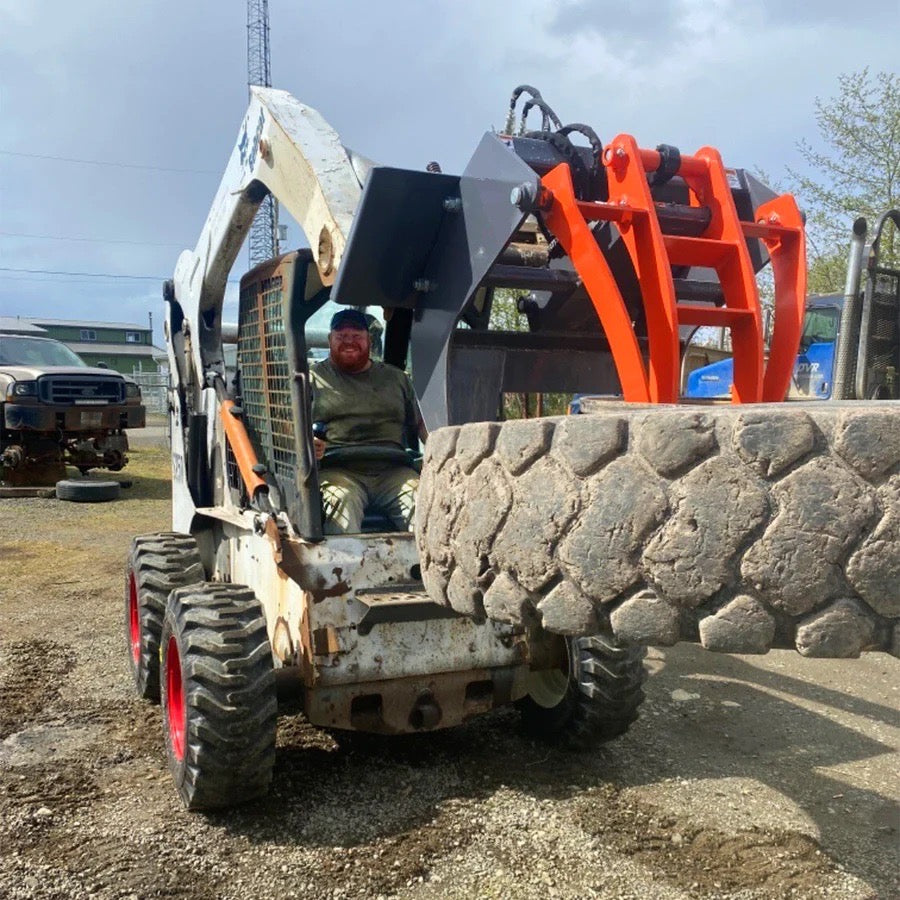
[{"x": 286, "y": 149}]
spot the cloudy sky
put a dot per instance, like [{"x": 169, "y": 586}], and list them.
[{"x": 117, "y": 116}]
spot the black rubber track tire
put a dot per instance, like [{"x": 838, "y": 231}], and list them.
[
  {"x": 215, "y": 634},
  {"x": 87, "y": 491},
  {"x": 157, "y": 564},
  {"x": 603, "y": 690},
  {"x": 741, "y": 527}
]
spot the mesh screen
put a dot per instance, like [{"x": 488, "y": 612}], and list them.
[
  {"x": 265, "y": 375},
  {"x": 883, "y": 325}
]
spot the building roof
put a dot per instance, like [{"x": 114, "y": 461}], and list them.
[
  {"x": 97, "y": 348},
  {"x": 20, "y": 326},
  {"x": 84, "y": 323}
]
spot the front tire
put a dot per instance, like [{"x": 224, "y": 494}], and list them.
[
  {"x": 157, "y": 564},
  {"x": 218, "y": 695},
  {"x": 591, "y": 697}
]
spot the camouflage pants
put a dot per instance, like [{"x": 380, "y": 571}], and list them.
[{"x": 347, "y": 495}]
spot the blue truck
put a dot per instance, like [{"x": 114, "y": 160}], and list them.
[{"x": 813, "y": 376}]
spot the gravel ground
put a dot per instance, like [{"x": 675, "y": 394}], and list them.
[{"x": 745, "y": 777}]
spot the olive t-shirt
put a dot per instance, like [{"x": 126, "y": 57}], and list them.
[{"x": 370, "y": 407}]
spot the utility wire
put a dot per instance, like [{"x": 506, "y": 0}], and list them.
[
  {"x": 86, "y": 274},
  {"x": 99, "y": 162},
  {"x": 59, "y": 237},
  {"x": 94, "y": 274}
]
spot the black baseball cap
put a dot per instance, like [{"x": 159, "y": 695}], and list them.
[{"x": 349, "y": 318}]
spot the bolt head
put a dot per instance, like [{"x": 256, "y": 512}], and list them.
[{"x": 522, "y": 197}]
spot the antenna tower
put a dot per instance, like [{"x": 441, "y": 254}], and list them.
[{"x": 264, "y": 232}]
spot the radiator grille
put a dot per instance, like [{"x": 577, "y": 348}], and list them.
[
  {"x": 885, "y": 320},
  {"x": 265, "y": 374},
  {"x": 67, "y": 390}
]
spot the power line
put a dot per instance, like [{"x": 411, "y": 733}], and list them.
[
  {"x": 94, "y": 274},
  {"x": 99, "y": 162},
  {"x": 85, "y": 274},
  {"x": 59, "y": 237}
]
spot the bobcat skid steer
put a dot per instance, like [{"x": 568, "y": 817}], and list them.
[{"x": 548, "y": 552}]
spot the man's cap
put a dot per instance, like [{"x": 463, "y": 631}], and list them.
[{"x": 349, "y": 318}]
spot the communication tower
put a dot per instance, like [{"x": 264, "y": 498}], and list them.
[{"x": 264, "y": 233}]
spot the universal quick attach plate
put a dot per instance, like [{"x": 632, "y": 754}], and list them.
[{"x": 425, "y": 241}]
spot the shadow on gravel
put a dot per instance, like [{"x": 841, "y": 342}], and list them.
[
  {"x": 743, "y": 724},
  {"x": 409, "y": 796},
  {"x": 138, "y": 487},
  {"x": 314, "y": 769}
]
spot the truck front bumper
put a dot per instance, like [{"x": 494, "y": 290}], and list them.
[{"x": 76, "y": 421}]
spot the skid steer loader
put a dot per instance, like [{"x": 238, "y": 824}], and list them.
[{"x": 547, "y": 552}]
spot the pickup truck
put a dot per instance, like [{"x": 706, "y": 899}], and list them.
[{"x": 55, "y": 410}]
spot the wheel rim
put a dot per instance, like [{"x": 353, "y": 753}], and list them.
[
  {"x": 175, "y": 708},
  {"x": 134, "y": 619},
  {"x": 548, "y": 687}
]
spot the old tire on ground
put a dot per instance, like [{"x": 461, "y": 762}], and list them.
[
  {"x": 157, "y": 564},
  {"x": 87, "y": 491},
  {"x": 592, "y": 697},
  {"x": 743, "y": 527},
  {"x": 218, "y": 695}
]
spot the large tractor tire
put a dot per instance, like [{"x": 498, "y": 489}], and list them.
[
  {"x": 218, "y": 695},
  {"x": 741, "y": 527},
  {"x": 592, "y": 696},
  {"x": 157, "y": 564}
]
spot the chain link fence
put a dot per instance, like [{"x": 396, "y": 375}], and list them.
[{"x": 154, "y": 387}]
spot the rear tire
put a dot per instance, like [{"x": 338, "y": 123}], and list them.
[
  {"x": 218, "y": 695},
  {"x": 157, "y": 564},
  {"x": 591, "y": 699}
]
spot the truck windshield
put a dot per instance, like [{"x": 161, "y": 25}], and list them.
[
  {"x": 16, "y": 350},
  {"x": 820, "y": 326}
]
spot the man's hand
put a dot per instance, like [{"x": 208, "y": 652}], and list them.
[{"x": 319, "y": 447}]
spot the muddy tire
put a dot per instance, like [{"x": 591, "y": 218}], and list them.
[
  {"x": 218, "y": 695},
  {"x": 591, "y": 698},
  {"x": 87, "y": 491},
  {"x": 743, "y": 528},
  {"x": 157, "y": 564}
]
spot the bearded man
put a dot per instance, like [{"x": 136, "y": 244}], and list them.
[{"x": 367, "y": 409}]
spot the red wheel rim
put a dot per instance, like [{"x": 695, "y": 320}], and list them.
[
  {"x": 175, "y": 711},
  {"x": 134, "y": 620}
]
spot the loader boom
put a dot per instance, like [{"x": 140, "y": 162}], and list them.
[{"x": 287, "y": 149}]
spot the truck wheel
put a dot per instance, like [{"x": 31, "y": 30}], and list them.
[
  {"x": 741, "y": 527},
  {"x": 157, "y": 564},
  {"x": 87, "y": 491},
  {"x": 591, "y": 697},
  {"x": 218, "y": 695}
]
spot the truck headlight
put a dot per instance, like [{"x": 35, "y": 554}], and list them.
[
  {"x": 22, "y": 389},
  {"x": 132, "y": 391}
]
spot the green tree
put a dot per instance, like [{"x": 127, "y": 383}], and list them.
[
  {"x": 855, "y": 171},
  {"x": 505, "y": 316}
]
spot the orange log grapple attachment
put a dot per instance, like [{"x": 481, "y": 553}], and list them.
[
  {"x": 615, "y": 255},
  {"x": 654, "y": 254}
]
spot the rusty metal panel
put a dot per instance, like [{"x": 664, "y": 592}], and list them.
[
  {"x": 391, "y": 707},
  {"x": 344, "y": 611}
]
